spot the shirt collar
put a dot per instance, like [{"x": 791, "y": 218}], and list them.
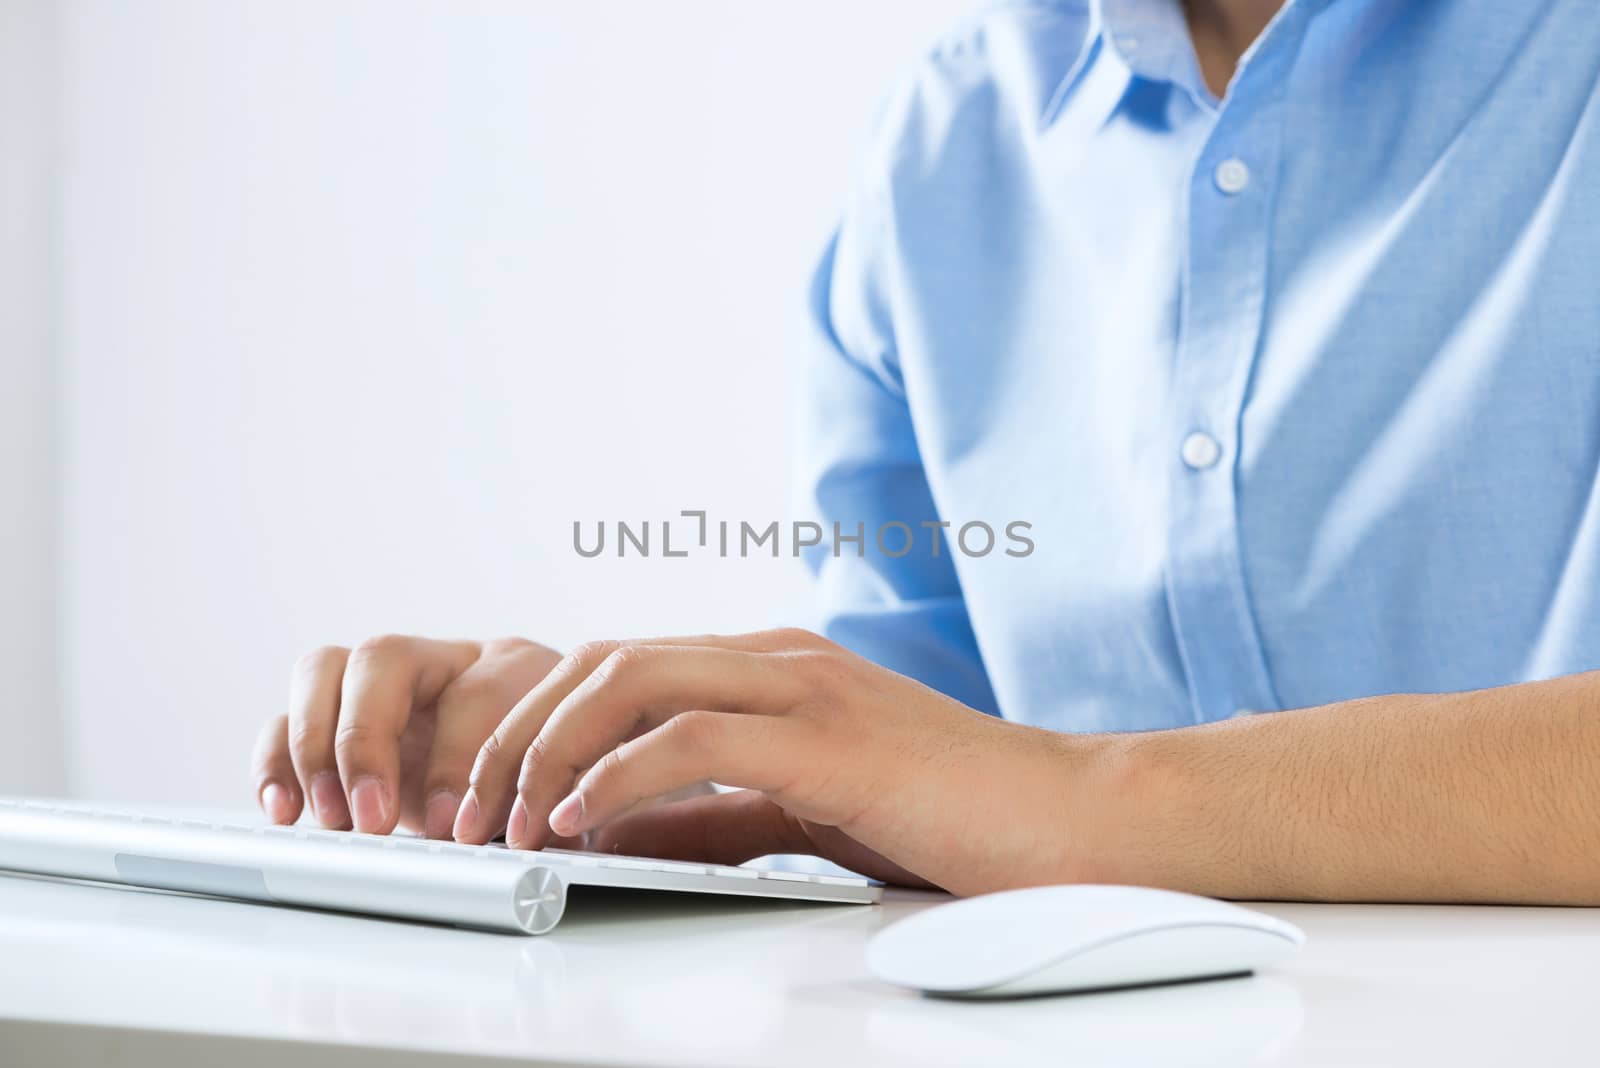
[{"x": 1150, "y": 39}]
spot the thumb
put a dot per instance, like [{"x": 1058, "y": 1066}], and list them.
[
  {"x": 735, "y": 827},
  {"x": 726, "y": 828}
]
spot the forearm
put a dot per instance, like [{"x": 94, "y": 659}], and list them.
[{"x": 1486, "y": 796}]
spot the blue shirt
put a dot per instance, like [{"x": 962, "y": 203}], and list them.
[{"x": 1299, "y": 390}]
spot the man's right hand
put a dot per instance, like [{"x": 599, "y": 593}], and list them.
[{"x": 385, "y": 734}]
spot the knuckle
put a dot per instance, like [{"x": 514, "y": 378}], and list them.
[
  {"x": 696, "y": 729},
  {"x": 610, "y": 767},
  {"x": 496, "y": 761},
  {"x": 353, "y": 738},
  {"x": 794, "y": 636},
  {"x": 384, "y": 647},
  {"x": 316, "y": 660},
  {"x": 490, "y": 755},
  {"x": 825, "y": 676},
  {"x": 623, "y": 661},
  {"x": 304, "y": 736},
  {"x": 590, "y": 655},
  {"x": 817, "y": 665},
  {"x": 536, "y": 754},
  {"x": 533, "y": 762},
  {"x": 496, "y": 648}
]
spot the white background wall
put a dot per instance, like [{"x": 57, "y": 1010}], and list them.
[
  {"x": 360, "y": 304},
  {"x": 30, "y": 739}
]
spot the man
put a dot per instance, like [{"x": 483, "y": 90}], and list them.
[{"x": 1281, "y": 329}]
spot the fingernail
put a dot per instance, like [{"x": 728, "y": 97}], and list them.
[
  {"x": 518, "y": 825},
  {"x": 467, "y": 819},
  {"x": 370, "y": 805},
  {"x": 275, "y": 802},
  {"x": 564, "y": 818},
  {"x": 441, "y": 814},
  {"x": 327, "y": 801}
]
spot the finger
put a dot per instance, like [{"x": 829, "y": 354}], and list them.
[
  {"x": 756, "y": 752},
  {"x": 636, "y": 688},
  {"x": 489, "y": 783},
  {"x": 468, "y": 710},
  {"x": 385, "y": 679},
  {"x": 277, "y": 790},
  {"x": 777, "y": 640},
  {"x": 716, "y": 829},
  {"x": 488, "y": 803},
  {"x": 313, "y": 717}
]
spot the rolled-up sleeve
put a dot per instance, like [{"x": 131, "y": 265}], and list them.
[{"x": 860, "y": 468}]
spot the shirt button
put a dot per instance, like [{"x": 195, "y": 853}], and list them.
[
  {"x": 1232, "y": 176},
  {"x": 1200, "y": 451}
]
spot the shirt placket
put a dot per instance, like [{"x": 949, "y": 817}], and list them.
[{"x": 1224, "y": 282}]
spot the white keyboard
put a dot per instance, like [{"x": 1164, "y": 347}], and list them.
[{"x": 388, "y": 875}]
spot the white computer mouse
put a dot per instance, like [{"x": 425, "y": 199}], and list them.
[{"x": 1054, "y": 939}]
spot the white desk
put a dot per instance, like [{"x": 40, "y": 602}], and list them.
[{"x": 97, "y": 975}]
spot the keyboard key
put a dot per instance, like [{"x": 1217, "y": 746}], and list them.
[
  {"x": 628, "y": 864},
  {"x": 734, "y": 873},
  {"x": 678, "y": 867}
]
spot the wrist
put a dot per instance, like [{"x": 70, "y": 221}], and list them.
[
  {"x": 1082, "y": 805},
  {"x": 1135, "y": 808}
]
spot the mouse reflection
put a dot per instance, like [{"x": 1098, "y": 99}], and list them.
[{"x": 1242, "y": 1020}]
